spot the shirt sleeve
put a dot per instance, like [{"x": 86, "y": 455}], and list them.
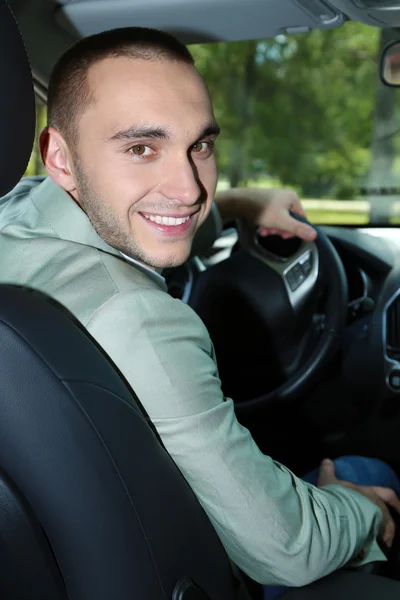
[{"x": 274, "y": 526}]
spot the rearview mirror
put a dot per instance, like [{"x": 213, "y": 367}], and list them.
[{"x": 390, "y": 65}]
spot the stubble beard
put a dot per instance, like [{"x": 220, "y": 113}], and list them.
[{"x": 107, "y": 224}]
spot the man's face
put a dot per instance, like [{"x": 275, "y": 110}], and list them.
[{"x": 144, "y": 162}]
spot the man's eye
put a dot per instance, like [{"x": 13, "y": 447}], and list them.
[
  {"x": 202, "y": 147},
  {"x": 140, "y": 150}
]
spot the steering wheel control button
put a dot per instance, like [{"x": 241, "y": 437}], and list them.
[
  {"x": 299, "y": 272},
  {"x": 306, "y": 264},
  {"x": 295, "y": 277},
  {"x": 394, "y": 380}
]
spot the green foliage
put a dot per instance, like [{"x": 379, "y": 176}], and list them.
[{"x": 298, "y": 109}]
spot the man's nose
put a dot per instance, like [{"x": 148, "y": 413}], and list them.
[{"x": 181, "y": 181}]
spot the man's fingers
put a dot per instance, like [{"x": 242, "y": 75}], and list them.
[
  {"x": 388, "y": 527},
  {"x": 277, "y": 214},
  {"x": 303, "y": 231},
  {"x": 290, "y": 225},
  {"x": 326, "y": 473},
  {"x": 389, "y": 496},
  {"x": 263, "y": 231},
  {"x": 390, "y": 530},
  {"x": 297, "y": 207}
]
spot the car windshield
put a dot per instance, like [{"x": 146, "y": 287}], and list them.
[{"x": 307, "y": 112}]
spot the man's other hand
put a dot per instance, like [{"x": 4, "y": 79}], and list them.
[
  {"x": 268, "y": 209},
  {"x": 274, "y": 216},
  {"x": 382, "y": 497}
]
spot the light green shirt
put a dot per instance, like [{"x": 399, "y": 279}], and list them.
[{"x": 275, "y": 527}]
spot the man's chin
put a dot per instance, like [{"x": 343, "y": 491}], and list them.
[
  {"x": 167, "y": 260},
  {"x": 169, "y": 263}
]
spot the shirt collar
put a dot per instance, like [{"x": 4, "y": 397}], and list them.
[{"x": 155, "y": 275}]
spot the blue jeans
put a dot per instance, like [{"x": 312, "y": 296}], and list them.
[{"x": 358, "y": 470}]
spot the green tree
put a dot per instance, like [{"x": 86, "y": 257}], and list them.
[{"x": 297, "y": 108}]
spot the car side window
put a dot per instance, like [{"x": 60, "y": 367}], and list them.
[{"x": 35, "y": 166}]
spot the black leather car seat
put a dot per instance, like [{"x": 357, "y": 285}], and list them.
[{"x": 91, "y": 505}]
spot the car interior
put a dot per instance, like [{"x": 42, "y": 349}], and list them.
[{"x": 307, "y": 337}]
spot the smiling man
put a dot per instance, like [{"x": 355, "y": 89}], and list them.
[
  {"x": 129, "y": 151},
  {"x": 143, "y": 165}
]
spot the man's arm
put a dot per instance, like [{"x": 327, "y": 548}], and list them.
[{"x": 275, "y": 527}]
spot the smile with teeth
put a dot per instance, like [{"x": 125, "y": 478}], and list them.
[{"x": 169, "y": 221}]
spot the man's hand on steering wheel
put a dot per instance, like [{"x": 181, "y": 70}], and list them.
[
  {"x": 274, "y": 216},
  {"x": 268, "y": 209}
]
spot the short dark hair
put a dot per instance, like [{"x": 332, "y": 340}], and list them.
[{"x": 69, "y": 94}]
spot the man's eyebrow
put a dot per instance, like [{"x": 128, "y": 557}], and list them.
[
  {"x": 137, "y": 132},
  {"x": 209, "y": 130},
  {"x": 157, "y": 133}
]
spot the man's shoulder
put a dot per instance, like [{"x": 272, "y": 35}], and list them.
[
  {"x": 126, "y": 276},
  {"x": 147, "y": 303},
  {"x": 149, "y": 323},
  {"x": 147, "y": 310},
  {"x": 85, "y": 279}
]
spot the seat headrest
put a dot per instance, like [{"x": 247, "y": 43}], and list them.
[{"x": 17, "y": 103}]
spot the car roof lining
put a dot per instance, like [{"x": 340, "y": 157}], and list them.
[
  {"x": 49, "y": 27},
  {"x": 193, "y": 21}
]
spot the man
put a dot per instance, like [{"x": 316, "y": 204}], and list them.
[{"x": 129, "y": 151}]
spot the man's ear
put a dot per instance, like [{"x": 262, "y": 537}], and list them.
[{"x": 57, "y": 158}]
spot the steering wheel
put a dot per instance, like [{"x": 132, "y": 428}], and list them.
[
  {"x": 283, "y": 292},
  {"x": 294, "y": 282}
]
